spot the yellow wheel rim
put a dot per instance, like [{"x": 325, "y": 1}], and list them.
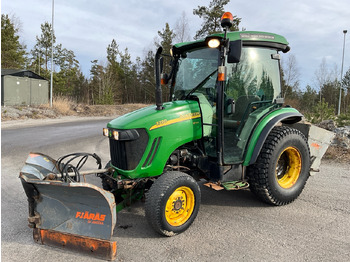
[
  {"x": 288, "y": 167},
  {"x": 179, "y": 206}
]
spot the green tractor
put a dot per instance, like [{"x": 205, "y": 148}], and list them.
[{"x": 224, "y": 124}]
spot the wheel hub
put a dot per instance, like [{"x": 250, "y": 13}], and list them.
[
  {"x": 179, "y": 206},
  {"x": 288, "y": 167}
]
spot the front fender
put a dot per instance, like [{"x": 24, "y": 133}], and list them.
[{"x": 260, "y": 133}]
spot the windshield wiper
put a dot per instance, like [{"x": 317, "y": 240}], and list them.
[{"x": 201, "y": 83}]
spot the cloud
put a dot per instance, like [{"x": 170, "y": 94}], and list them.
[{"x": 313, "y": 28}]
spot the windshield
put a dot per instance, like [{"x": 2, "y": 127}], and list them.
[
  {"x": 197, "y": 69},
  {"x": 256, "y": 75}
]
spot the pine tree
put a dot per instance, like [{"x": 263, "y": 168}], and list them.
[
  {"x": 147, "y": 77},
  {"x": 67, "y": 77},
  {"x": 211, "y": 16},
  {"x": 166, "y": 42},
  {"x": 346, "y": 86},
  {"x": 113, "y": 74},
  {"x": 126, "y": 76},
  {"x": 346, "y": 81},
  {"x": 166, "y": 35},
  {"x": 42, "y": 48},
  {"x": 13, "y": 54}
]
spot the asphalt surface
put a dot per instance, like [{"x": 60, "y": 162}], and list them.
[{"x": 230, "y": 226}]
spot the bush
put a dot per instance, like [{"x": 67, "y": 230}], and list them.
[
  {"x": 343, "y": 120},
  {"x": 321, "y": 112}
]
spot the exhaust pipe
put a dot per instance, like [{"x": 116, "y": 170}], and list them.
[{"x": 158, "y": 69}]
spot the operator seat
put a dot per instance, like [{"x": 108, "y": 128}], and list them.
[{"x": 241, "y": 105}]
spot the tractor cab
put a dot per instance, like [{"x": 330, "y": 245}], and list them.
[{"x": 235, "y": 77}]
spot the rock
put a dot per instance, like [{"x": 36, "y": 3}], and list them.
[
  {"x": 342, "y": 137},
  {"x": 328, "y": 125},
  {"x": 343, "y": 131},
  {"x": 18, "y": 112}
]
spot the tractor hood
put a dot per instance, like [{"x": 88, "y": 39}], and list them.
[
  {"x": 152, "y": 119},
  {"x": 147, "y": 137}
]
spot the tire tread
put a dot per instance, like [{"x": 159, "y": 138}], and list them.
[
  {"x": 153, "y": 207},
  {"x": 258, "y": 172}
]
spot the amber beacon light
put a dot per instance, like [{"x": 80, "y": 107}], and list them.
[{"x": 227, "y": 20}]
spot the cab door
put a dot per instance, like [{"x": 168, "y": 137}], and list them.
[{"x": 250, "y": 89}]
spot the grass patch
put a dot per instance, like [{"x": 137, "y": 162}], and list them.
[{"x": 62, "y": 106}]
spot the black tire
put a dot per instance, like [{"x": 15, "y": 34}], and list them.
[
  {"x": 172, "y": 203},
  {"x": 282, "y": 168}
]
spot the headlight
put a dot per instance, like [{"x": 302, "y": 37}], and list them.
[
  {"x": 115, "y": 135},
  {"x": 105, "y": 132}
]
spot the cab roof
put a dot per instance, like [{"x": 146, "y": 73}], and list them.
[{"x": 249, "y": 38}]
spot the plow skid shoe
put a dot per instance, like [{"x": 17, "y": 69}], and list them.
[{"x": 75, "y": 216}]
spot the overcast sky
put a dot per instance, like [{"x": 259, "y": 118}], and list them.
[{"x": 314, "y": 28}]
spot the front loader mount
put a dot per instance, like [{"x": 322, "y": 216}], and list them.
[{"x": 65, "y": 212}]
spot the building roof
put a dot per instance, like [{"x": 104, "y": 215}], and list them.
[{"x": 21, "y": 73}]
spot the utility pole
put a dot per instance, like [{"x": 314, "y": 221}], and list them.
[
  {"x": 341, "y": 73},
  {"x": 39, "y": 62},
  {"x": 51, "y": 82}
]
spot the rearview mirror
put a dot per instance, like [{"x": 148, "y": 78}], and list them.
[
  {"x": 231, "y": 109},
  {"x": 235, "y": 50}
]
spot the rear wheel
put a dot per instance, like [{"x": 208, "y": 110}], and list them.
[
  {"x": 172, "y": 203},
  {"x": 282, "y": 168}
]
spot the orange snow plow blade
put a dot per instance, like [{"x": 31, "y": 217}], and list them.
[{"x": 97, "y": 247}]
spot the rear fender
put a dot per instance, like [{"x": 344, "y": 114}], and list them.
[
  {"x": 318, "y": 139},
  {"x": 257, "y": 140}
]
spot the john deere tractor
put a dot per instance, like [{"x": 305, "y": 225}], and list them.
[{"x": 225, "y": 124}]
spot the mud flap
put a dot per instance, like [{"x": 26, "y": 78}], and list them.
[
  {"x": 75, "y": 216},
  {"x": 319, "y": 140}
]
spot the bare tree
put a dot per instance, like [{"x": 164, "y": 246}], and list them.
[
  {"x": 291, "y": 75},
  {"x": 323, "y": 76},
  {"x": 182, "y": 29}
]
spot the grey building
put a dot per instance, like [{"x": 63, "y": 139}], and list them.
[{"x": 23, "y": 87}]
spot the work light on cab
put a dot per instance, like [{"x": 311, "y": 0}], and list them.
[
  {"x": 214, "y": 43},
  {"x": 227, "y": 20}
]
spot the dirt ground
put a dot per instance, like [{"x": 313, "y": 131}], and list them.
[{"x": 43, "y": 112}]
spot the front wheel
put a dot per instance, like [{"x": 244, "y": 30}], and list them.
[
  {"x": 172, "y": 203},
  {"x": 282, "y": 168}
]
